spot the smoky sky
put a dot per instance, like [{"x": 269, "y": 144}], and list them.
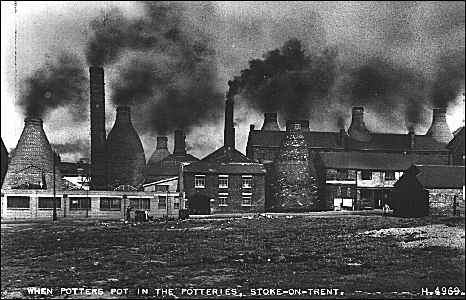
[
  {"x": 171, "y": 61},
  {"x": 60, "y": 82}
]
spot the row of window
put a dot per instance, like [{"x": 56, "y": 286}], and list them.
[
  {"x": 343, "y": 174},
  {"x": 223, "y": 182},
  {"x": 223, "y": 199},
  {"x": 84, "y": 203}
]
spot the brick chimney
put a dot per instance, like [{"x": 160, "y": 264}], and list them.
[
  {"x": 357, "y": 129},
  {"x": 229, "y": 130},
  {"x": 31, "y": 164},
  {"x": 411, "y": 138},
  {"x": 439, "y": 129},
  {"x": 97, "y": 102},
  {"x": 303, "y": 123},
  {"x": 180, "y": 142},
  {"x": 342, "y": 137},
  {"x": 270, "y": 121}
]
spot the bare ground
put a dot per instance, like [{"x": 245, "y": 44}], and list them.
[{"x": 363, "y": 256}]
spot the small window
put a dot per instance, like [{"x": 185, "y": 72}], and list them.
[
  {"x": 247, "y": 199},
  {"x": 162, "y": 202},
  {"x": 389, "y": 175},
  {"x": 110, "y": 203},
  {"x": 366, "y": 175},
  {"x": 161, "y": 188},
  {"x": 176, "y": 203},
  {"x": 247, "y": 181},
  {"x": 140, "y": 203},
  {"x": 223, "y": 199},
  {"x": 223, "y": 181},
  {"x": 199, "y": 181},
  {"x": 17, "y": 202},
  {"x": 47, "y": 202},
  {"x": 79, "y": 203}
]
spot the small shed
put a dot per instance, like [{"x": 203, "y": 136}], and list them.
[{"x": 429, "y": 189}]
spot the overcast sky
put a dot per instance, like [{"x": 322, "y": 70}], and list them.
[{"x": 411, "y": 34}]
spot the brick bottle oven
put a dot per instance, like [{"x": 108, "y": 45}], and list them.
[
  {"x": 125, "y": 154},
  {"x": 31, "y": 165},
  {"x": 295, "y": 187}
]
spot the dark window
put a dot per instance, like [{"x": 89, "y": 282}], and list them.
[
  {"x": 331, "y": 174},
  {"x": 17, "y": 202},
  {"x": 161, "y": 188},
  {"x": 389, "y": 175},
  {"x": 47, "y": 202},
  {"x": 342, "y": 174},
  {"x": 366, "y": 175},
  {"x": 110, "y": 203},
  {"x": 140, "y": 203},
  {"x": 162, "y": 202},
  {"x": 78, "y": 203},
  {"x": 176, "y": 203}
]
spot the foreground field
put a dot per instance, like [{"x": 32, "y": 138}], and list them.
[{"x": 349, "y": 253}]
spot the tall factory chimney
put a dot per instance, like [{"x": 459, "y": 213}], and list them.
[
  {"x": 439, "y": 129},
  {"x": 357, "y": 129},
  {"x": 180, "y": 143},
  {"x": 31, "y": 166},
  {"x": 125, "y": 154},
  {"x": 270, "y": 121},
  {"x": 98, "y": 159},
  {"x": 229, "y": 131}
]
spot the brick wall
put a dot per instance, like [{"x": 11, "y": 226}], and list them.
[{"x": 234, "y": 190}]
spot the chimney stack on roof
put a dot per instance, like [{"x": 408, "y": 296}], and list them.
[
  {"x": 439, "y": 129},
  {"x": 98, "y": 134},
  {"x": 229, "y": 130},
  {"x": 270, "y": 121},
  {"x": 303, "y": 123},
  {"x": 411, "y": 137},
  {"x": 357, "y": 129},
  {"x": 180, "y": 142}
]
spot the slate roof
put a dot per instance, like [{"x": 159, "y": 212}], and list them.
[
  {"x": 71, "y": 169},
  {"x": 330, "y": 140},
  {"x": 226, "y": 160},
  {"x": 437, "y": 176},
  {"x": 168, "y": 167}
]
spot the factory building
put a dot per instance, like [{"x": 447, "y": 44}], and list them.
[
  {"x": 354, "y": 168},
  {"x": 430, "y": 189},
  {"x": 225, "y": 181}
]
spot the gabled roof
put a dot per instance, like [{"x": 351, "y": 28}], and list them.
[
  {"x": 331, "y": 140},
  {"x": 160, "y": 181},
  {"x": 365, "y": 161},
  {"x": 226, "y": 154},
  {"x": 438, "y": 176},
  {"x": 359, "y": 160},
  {"x": 226, "y": 160},
  {"x": 458, "y": 137}
]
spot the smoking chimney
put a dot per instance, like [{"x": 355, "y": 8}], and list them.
[
  {"x": 180, "y": 143},
  {"x": 439, "y": 129},
  {"x": 270, "y": 121},
  {"x": 357, "y": 129},
  {"x": 161, "y": 151},
  {"x": 125, "y": 154},
  {"x": 98, "y": 162},
  {"x": 32, "y": 161},
  {"x": 304, "y": 125},
  {"x": 411, "y": 136},
  {"x": 229, "y": 131}
]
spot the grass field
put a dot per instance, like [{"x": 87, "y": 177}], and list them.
[{"x": 242, "y": 253}]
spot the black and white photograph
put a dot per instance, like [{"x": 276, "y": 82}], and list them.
[{"x": 232, "y": 149}]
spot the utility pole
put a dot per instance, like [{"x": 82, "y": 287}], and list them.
[{"x": 54, "y": 218}]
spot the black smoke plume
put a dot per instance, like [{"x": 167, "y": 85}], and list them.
[
  {"x": 170, "y": 76},
  {"x": 449, "y": 80},
  {"x": 59, "y": 83}
]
